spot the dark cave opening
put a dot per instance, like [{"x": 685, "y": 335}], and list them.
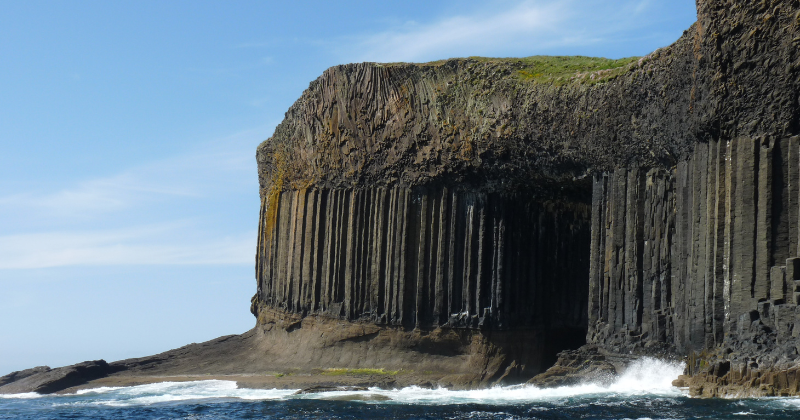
[
  {"x": 512, "y": 264},
  {"x": 504, "y": 262}
]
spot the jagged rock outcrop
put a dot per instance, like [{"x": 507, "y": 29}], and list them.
[
  {"x": 22, "y": 374},
  {"x": 589, "y": 364}
]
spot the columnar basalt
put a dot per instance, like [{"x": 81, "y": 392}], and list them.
[
  {"x": 456, "y": 195},
  {"x": 428, "y": 258},
  {"x": 425, "y": 258},
  {"x": 683, "y": 257}
]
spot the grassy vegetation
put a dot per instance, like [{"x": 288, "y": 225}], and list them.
[
  {"x": 561, "y": 70},
  {"x": 363, "y": 371},
  {"x": 558, "y": 70}
]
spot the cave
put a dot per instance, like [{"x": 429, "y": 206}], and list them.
[{"x": 504, "y": 264}]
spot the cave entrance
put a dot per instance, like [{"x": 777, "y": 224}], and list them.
[
  {"x": 515, "y": 263},
  {"x": 506, "y": 262}
]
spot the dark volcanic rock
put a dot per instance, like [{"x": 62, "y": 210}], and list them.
[
  {"x": 576, "y": 367},
  {"x": 48, "y": 381},
  {"x": 453, "y": 195},
  {"x": 22, "y": 374},
  {"x": 476, "y": 217},
  {"x": 329, "y": 388}
]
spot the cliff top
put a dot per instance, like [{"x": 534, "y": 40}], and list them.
[
  {"x": 509, "y": 122},
  {"x": 543, "y": 69},
  {"x": 512, "y": 121}
]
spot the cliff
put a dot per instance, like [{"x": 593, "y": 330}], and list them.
[{"x": 639, "y": 206}]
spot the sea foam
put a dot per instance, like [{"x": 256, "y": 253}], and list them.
[
  {"x": 646, "y": 376},
  {"x": 23, "y": 396},
  {"x": 169, "y": 392}
]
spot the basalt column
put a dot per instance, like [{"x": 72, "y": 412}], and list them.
[
  {"x": 427, "y": 258},
  {"x": 689, "y": 257}
]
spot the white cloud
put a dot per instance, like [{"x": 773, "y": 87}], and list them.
[
  {"x": 170, "y": 211},
  {"x": 413, "y": 42},
  {"x": 641, "y": 7},
  {"x": 525, "y": 28},
  {"x": 144, "y": 245},
  {"x": 216, "y": 166}
]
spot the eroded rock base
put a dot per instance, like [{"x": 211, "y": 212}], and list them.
[
  {"x": 758, "y": 359},
  {"x": 286, "y": 350},
  {"x": 463, "y": 357}
]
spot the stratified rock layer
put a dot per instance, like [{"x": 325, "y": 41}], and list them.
[{"x": 44, "y": 380}]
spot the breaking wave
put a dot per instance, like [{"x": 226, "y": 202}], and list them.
[
  {"x": 644, "y": 377},
  {"x": 168, "y": 392}
]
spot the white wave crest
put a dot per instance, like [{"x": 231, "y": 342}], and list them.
[
  {"x": 645, "y": 377},
  {"x": 23, "y": 396},
  {"x": 164, "y": 392}
]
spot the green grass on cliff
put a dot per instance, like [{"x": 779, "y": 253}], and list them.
[
  {"x": 362, "y": 371},
  {"x": 556, "y": 70},
  {"x": 563, "y": 70}
]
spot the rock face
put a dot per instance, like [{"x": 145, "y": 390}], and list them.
[
  {"x": 650, "y": 204},
  {"x": 695, "y": 254},
  {"x": 425, "y": 258},
  {"x": 429, "y": 258}
]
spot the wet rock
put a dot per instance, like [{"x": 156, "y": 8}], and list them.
[
  {"x": 586, "y": 365},
  {"x": 316, "y": 389},
  {"x": 48, "y": 381},
  {"x": 359, "y": 397},
  {"x": 22, "y": 374}
]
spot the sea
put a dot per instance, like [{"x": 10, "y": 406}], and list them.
[{"x": 644, "y": 391}]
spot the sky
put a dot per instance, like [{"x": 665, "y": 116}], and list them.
[{"x": 128, "y": 188}]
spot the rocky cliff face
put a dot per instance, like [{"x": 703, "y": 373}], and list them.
[
  {"x": 429, "y": 258},
  {"x": 426, "y": 258},
  {"x": 648, "y": 204},
  {"x": 683, "y": 256}
]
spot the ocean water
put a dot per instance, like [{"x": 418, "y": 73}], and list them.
[{"x": 644, "y": 391}]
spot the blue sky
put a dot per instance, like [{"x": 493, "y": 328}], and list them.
[{"x": 128, "y": 190}]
